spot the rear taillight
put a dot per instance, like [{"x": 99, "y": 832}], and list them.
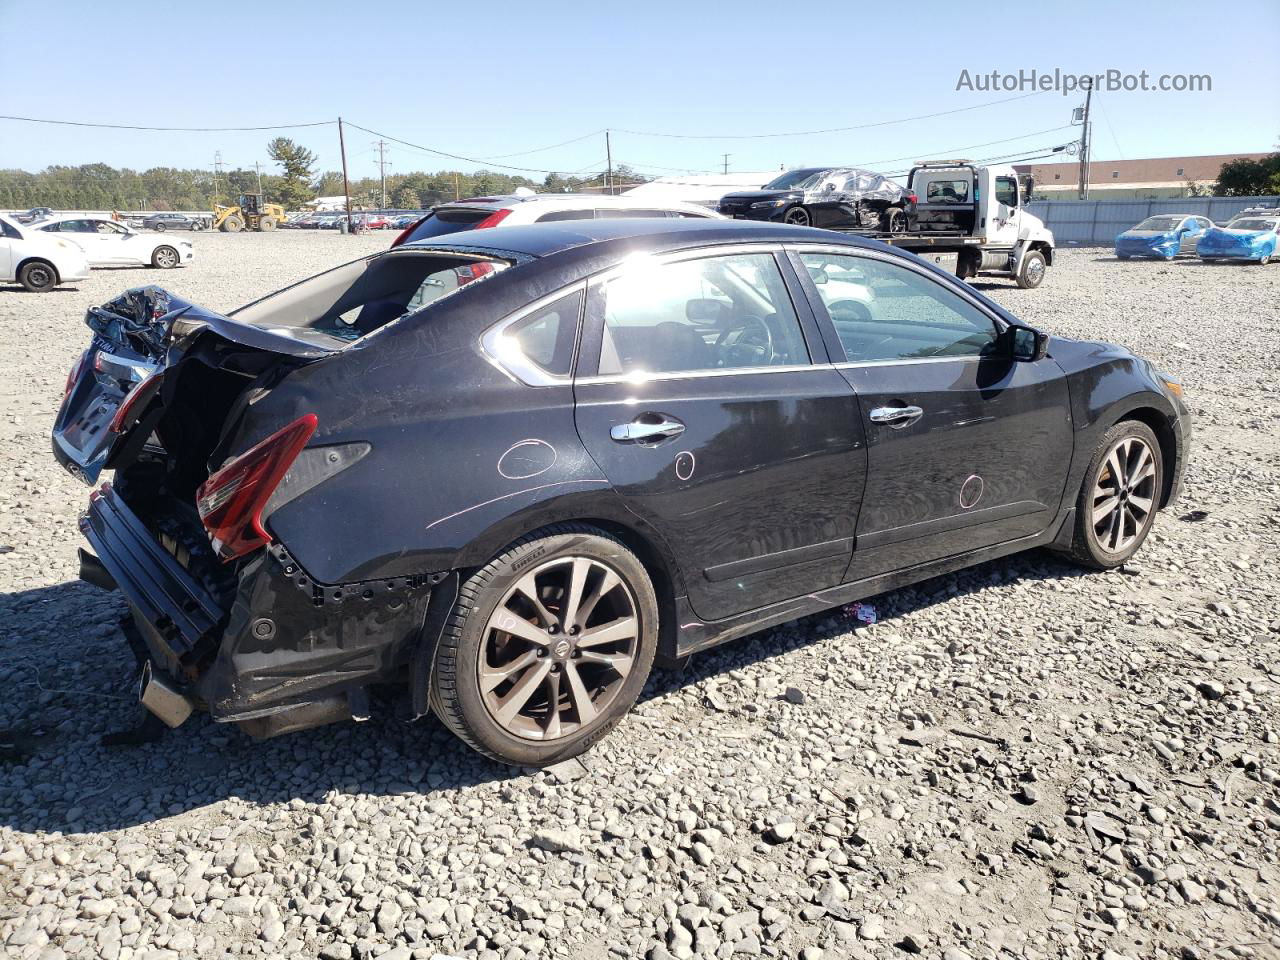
[
  {"x": 74, "y": 375},
  {"x": 472, "y": 271},
  {"x": 407, "y": 231},
  {"x": 493, "y": 219},
  {"x": 142, "y": 391},
  {"x": 913, "y": 198},
  {"x": 231, "y": 501}
]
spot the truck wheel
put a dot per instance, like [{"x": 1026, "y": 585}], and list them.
[
  {"x": 895, "y": 221},
  {"x": 267, "y": 224},
  {"x": 1119, "y": 498},
  {"x": 1031, "y": 273},
  {"x": 797, "y": 216},
  {"x": 38, "y": 276},
  {"x": 232, "y": 224},
  {"x": 547, "y": 648}
]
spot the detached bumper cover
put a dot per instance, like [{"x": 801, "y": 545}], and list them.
[{"x": 284, "y": 641}]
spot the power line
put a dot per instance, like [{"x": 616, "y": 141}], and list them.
[
  {"x": 806, "y": 133},
  {"x": 562, "y": 143},
  {"x": 445, "y": 153},
  {"x": 952, "y": 150},
  {"x": 127, "y": 126}
]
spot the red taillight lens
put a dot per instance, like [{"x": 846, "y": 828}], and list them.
[
  {"x": 142, "y": 391},
  {"x": 74, "y": 375},
  {"x": 913, "y": 198},
  {"x": 404, "y": 234},
  {"x": 493, "y": 219},
  {"x": 231, "y": 501},
  {"x": 472, "y": 271}
]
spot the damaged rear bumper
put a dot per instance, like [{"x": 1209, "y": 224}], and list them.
[{"x": 285, "y": 653}]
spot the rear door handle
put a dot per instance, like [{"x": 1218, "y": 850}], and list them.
[
  {"x": 647, "y": 426},
  {"x": 896, "y": 417}
]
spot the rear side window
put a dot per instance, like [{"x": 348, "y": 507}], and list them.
[
  {"x": 448, "y": 220},
  {"x": 547, "y": 336},
  {"x": 9, "y": 230},
  {"x": 565, "y": 215}
]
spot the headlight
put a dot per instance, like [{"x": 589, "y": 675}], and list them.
[{"x": 768, "y": 203}]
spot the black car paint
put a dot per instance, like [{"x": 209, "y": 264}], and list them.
[{"x": 353, "y": 577}]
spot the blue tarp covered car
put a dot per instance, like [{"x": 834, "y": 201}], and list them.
[
  {"x": 1165, "y": 236},
  {"x": 1244, "y": 238}
]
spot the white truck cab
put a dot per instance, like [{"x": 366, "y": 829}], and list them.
[{"x": 973, "y": 219}]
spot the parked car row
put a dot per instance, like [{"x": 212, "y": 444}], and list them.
[{"x": 1252, "y": 235}]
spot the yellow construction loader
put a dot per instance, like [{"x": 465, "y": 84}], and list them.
[{"x": 249, "y": 213}]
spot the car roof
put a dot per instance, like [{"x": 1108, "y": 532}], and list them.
[{"x": 546, "y": 239}]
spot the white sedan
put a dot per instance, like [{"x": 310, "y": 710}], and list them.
[
  {"x": 36, "y": 260},
  {"x": 110, "y": 244}
]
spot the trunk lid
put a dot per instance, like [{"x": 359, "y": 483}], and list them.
[{"x": 137, "y": 339}]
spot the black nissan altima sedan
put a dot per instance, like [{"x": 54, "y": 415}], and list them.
[{"x": 510, "y": 470}]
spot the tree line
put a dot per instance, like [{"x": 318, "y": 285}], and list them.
[{"x": 97, "y": 186}]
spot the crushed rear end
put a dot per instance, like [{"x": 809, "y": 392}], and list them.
[{"x": 226, "y": 619}]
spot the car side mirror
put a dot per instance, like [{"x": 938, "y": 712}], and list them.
[{"x": 1027, "y": 343}]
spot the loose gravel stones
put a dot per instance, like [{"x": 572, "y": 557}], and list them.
[{"x": 1018, "y": 760}]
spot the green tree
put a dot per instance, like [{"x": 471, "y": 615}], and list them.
[
  {"x": 297, "y": 162},
  {"x": 1249, "y": 178}
]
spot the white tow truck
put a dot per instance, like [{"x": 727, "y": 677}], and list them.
[{"x": 972, "y": 220}]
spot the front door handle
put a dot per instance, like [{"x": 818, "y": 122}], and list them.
[
  {"x": 647, "y": 426},
  {"x": 896, "y": 417}
]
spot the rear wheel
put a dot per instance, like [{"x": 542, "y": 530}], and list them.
[
  {"x": 547, "y": 648},
  {"x": 895, "y": 221},
  {"x": 159, "y": 227},
  {"x": 267, "y": 223},
  {"x": 1119, "y": 498},
  {"x": 797, "y": 216},
  {"x": 38, "y": 276},
  {"x": 165, "y": 258},
  {"x": 1031, "y": 273}
]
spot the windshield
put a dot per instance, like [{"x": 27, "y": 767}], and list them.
[
  {"x": 1253, "y": 224},
  {"x": 1162, "y": 224},
  {"x": 796, "y": 180},
  {"x": 352, "y": 301}
]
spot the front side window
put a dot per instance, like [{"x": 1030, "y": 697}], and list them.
[
  {"x": 106, "y": 226},
  {"x": 714, "y": 313},
  {"x": 883, "y": 311},
  {"x": 1007, "y": 191}
]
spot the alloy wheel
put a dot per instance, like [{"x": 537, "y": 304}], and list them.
[
  {"x": 1123, "y": 494},
  {"x": 797, "y": 216},
  {"x": 558, "y": 648},
  {"x": 166, "y": 258}
]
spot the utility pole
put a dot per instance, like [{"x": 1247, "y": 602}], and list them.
[
  {"x": 382, "y": 169},
  {"x": 608, "y": 173},
  {"x": 346, "y": 186},
  {"x": 726, "y": 162},
  {"x": 217, "y": 172},
  {"x": 457, "y": 191},
  {"x": 1085, "y": 143},
  {"x": 257, "y": 168}
]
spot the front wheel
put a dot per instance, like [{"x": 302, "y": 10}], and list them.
[
  {"x": 895, "y": 221},
  {"x": 165, "y": 258},
  {"x": 798, "y": 217},
  {"x": 547, "y": 648},
  {"x": 38, "y": 277},
  {"x": 1031, "y": 273},
  {"x": 1120, "y": 496},
  {"x": 1263, "y": 261}
]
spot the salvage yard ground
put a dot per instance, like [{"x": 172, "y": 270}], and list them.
[{"x": 1019, "y": 760}]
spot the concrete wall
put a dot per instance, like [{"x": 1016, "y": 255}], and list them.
[{"x": 1094, "y": 222}]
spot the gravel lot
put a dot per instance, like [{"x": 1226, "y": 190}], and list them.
[{"x": 1020, "y": 760}]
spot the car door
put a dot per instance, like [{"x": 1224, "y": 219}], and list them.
[
  {"x": 966, "y": 447},
  {"x": 82, "y": 233},
  {"x": 1003, "y": 230},
  {"x": 699, "y": 399}
]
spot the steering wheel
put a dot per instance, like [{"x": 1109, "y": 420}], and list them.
[{"x": 746, "y": 342}]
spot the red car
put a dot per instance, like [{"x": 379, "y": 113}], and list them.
[{"x": 376, "y": 222}]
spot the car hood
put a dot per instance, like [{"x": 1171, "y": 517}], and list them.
[{"x": 1241, "y": 242}]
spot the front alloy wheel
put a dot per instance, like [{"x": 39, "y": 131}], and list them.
[
  {"x": 549, "y": 645},
  {"x": 1120, "y": 497},
  {"x": 797, "y": 216},
  {"x": 165, "y": 258}
]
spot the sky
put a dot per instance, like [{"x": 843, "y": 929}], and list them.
[{"x": 499, "y": 82}]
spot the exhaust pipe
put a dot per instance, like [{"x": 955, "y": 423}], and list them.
[
  {"x": 162, "y": 698},
  {"x": 92, "y": 571}
]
